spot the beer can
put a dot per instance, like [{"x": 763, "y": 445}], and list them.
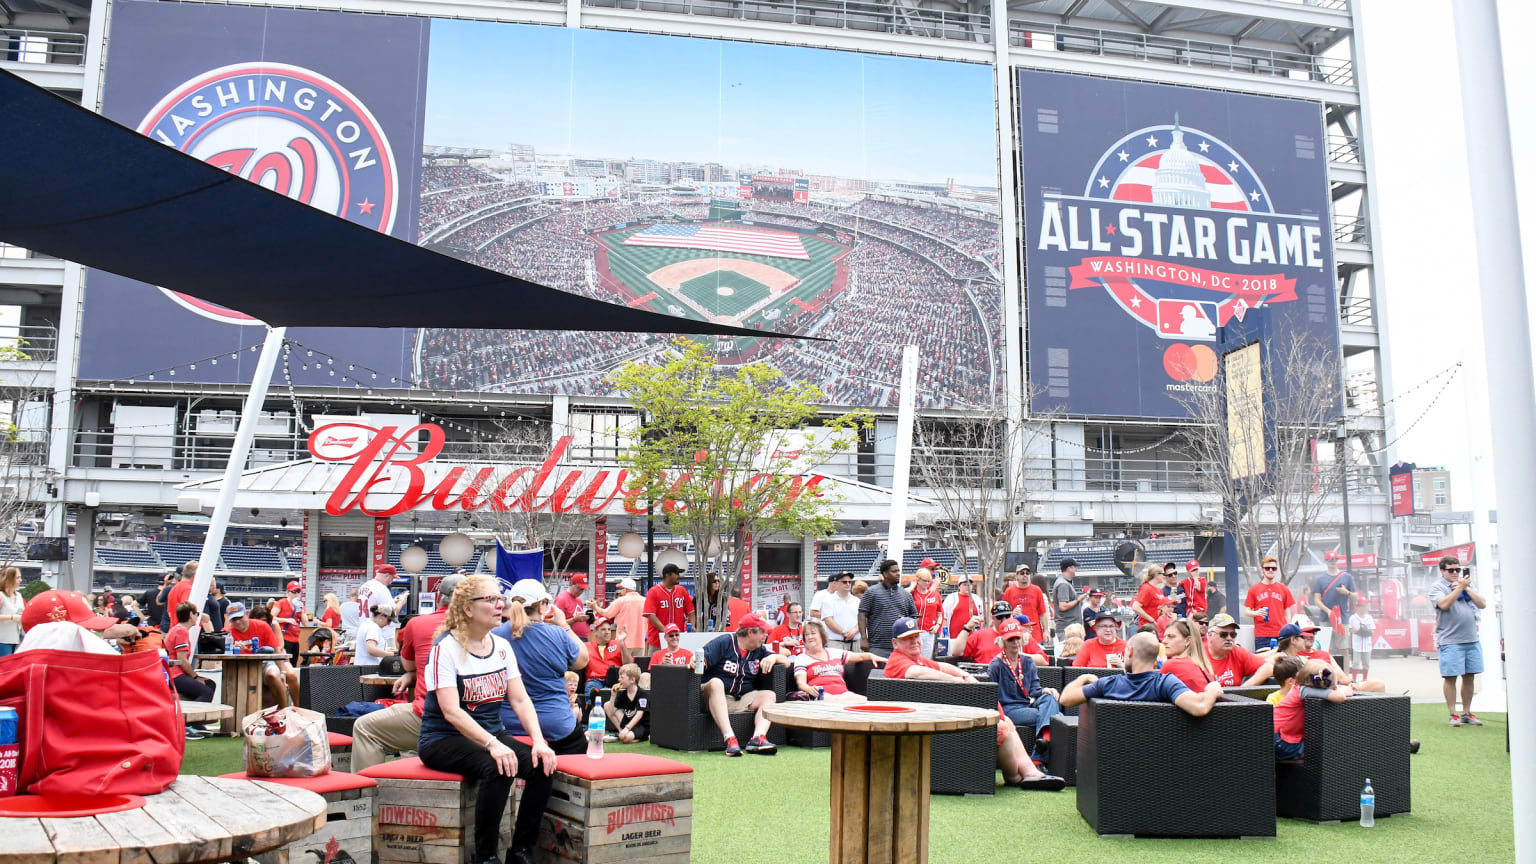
[
  {"x": 821, "y": 692},
  {"x": 10, "y": 751}
]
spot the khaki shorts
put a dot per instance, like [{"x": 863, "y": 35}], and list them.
[{"x": 739, "y": 704}]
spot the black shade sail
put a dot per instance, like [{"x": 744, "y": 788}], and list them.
[{"x": 78, "y": 186}]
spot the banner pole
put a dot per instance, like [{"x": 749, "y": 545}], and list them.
[
  {"x": 906, "y": 416},
  {"x": 244, "y": 435},
  {"x": 1507, "y": 347}
]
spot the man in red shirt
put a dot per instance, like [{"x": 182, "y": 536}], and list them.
[
  {"x": 1107, "y": 651},
  {"x": 1232, "y": 664},
  {"x": 667, "y": 603},
  {"x": 288, "y": 615},
  {"x": 963, "y": 605},
  {"x": 250, "y": 635},
  {"x": 788, "y": 637},
  {"x": 1195, "y": 589},
  {"x": 930, "y": 607},
  {"x": 1269, "y": 604},
  {"x": 673, "y": 654},
  {"x": 398, "y": 727},
  {"x": 603, "y": 652},
  {"x": 1026, "y": 597},
  {"x": 569, "y": 602},
  {"x": 181, "y": 590}
]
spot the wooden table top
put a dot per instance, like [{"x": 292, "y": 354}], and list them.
[
  {"x": 378, "y": 679},
  {"x": 196, "y": 819},
  {"x": 239, "y": 657},
  {"x": 923, "y": 718},
  {"x": 205, "y": 712}
]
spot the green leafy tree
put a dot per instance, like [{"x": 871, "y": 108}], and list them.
[{"x": 727, "y": 452}]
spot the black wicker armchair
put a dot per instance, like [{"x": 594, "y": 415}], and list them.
[
  {"x": 963, "y": 763},
  {"x": 856, "y": 676},
  {"x": 679, "y": 720},
  {"x": 328, "y": 689},
  {"x": 1235, "y": 742},
  {"x": 1346, "y": 742}
]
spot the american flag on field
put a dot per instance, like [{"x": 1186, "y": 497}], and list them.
[{"x": 721, "y": 239}]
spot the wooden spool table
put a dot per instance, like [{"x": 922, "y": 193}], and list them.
[
  {"x": 378, "y": 686},
  {"x": 196, "y": 819},
  {"x": 205, "y": 712},
  {"x": 378, "y": 680},
  {"x": 880, "y": 765},
  {"x": 241, "y": 686}
]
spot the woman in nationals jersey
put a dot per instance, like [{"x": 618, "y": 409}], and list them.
[{"x": 820, "y": 666}]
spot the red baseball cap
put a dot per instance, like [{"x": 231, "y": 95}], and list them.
[
  {"x": 672, "y": 628},
  {"x": 929, "y": 563},
  {"x": 751, "y": 619},
  {"x": 1331, "y": 555},
  {"x": 579, "y": 580},
  {"x": 1010, "y": 629},
  {"x": 385, "y": 570},
  {"x": 56, "y": 605},
  {"x": 1191, "y": 565},
  {"x": 295, "y": 586}
]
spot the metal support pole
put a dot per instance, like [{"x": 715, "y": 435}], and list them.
[
  {"x": 1507, "y": 346},
  {"x": 906, "y": 416},
  {"x": 246, "y": 432}
]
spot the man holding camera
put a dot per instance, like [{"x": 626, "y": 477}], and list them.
[{"x": 1457, "y": 609}]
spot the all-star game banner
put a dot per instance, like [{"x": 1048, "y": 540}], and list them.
[
  {"x": 1154, "y": 214},
  {"x": 795, "y": 190}
]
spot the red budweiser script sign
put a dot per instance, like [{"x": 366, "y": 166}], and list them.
[{"x": 395, "y": 465}]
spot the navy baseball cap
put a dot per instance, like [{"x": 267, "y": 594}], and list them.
[
  {"x": 1068, "y": 562},
  {"x": 1002, "y": 609},
  {"x": 904, "y": 627},
  {"x": 1290, "y": 630},
  {"x": 1103, "y": 615}
]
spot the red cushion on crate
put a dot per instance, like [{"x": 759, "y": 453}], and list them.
[
  {"x": 331, "y": 781},
  {"x": 407, "y": 769},
  {"x": 337, "y": 739},
  {"x": 615, "y": 765}
]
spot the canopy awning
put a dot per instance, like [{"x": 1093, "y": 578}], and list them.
[{"x": 81, "y": 187}]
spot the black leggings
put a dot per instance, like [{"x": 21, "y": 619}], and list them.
[
  {"x": 574, "y": 744},
  {"x": 193, "y": 689},
  {"x": 458, "y": 755}
]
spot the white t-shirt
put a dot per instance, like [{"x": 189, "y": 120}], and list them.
[
  {"x": 844, "y": 612},
  {"x": 64, "y": 636},
  {"x": 1360, "y": 643},
  {"x": 383, "y": 636},
  {"x": 480, "y": 682},
  {"x": 826, "y": 673},
  {"x": 351, "y": 616},
  {"x": 371, "y": 593}
]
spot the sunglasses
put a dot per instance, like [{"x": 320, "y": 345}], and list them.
[
  {"x": 1225, "y": 634},
  {"x": 1270, "y": 569},
  {"x": 1450, "y": 569}
]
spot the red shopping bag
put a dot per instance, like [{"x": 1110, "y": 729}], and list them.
[{"x": 93, "y": 724}]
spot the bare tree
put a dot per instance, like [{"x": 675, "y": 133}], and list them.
[
  {"x": 23, "y": 458},
  {"x": 1301, "y": 476},
  {"x": 515, "y": 444},
  {"x": 982, "y": 472}
]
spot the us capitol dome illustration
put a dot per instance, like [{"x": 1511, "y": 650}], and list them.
[{"x": 1178, "y": 181}]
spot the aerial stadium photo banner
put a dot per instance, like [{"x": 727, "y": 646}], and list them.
[
  {"x": 1155, "y": 214},
  {"x": 793, "y": 190}
]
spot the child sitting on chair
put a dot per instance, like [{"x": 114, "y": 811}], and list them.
[
  {"x": 1286, "y": 670},
  {"x": 1315, "y": 679}
]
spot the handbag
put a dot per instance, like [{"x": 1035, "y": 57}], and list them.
[
  {"x": 93, "y": 724},
  {"x": 286, "y": 742}
]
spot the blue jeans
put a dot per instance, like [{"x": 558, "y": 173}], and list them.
[
  {"x": 1039, "y": 717},
  {"x": 592, "y": 686},
  {"x": 1286, "y": 750}
]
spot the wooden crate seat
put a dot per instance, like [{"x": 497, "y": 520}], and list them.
[{"x": 349, "y": 826}]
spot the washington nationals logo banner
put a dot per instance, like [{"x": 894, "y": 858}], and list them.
[
  {"x": 320, "y": 106},
  {"x": 1154, "y": 215}
]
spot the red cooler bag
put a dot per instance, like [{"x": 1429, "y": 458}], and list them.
[{"x": 93, "y": 724}]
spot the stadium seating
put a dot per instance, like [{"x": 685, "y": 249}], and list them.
[
  {"x": 176, "y": 554},
  {"x": 259, "y": 558},
  {"x": 128, "y": 558},
  {"x": 911, "y": 558},
  {"x": 856, "y": 561}
]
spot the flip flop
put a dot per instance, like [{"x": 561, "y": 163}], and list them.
[{"x": 1043, "y": 783}]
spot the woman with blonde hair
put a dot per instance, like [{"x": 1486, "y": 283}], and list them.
[
  {"x": 11, "y": 604},
  {"x": 469, "y": 675},
  {"x": 545, "y": 651},
  {"x": 331, "y": 617},
  {"x": 821, "y": 666},
  {"x": 1186, "y": 655},
  {"x": 1150, "y": 599}
]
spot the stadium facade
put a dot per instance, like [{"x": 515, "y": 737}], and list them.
[{"x": 1065, "y": 208}]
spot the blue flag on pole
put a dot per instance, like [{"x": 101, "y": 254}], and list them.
[{"x": 512, "y": 566}]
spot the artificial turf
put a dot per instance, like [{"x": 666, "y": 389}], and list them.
[{"x": 775, "y": 809}]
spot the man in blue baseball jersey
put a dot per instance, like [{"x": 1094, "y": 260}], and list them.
[{"x": 732, "y": 664}]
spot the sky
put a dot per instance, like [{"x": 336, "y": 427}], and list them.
[
  {"x": 604, "y": 94},
  {"x": 1426, "y": 221}
]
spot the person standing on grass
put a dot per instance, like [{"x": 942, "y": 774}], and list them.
[
  {"x": 1334, "y": 593},
  {"x": 880, "y": 606},
  {"x": 667, "y": 603},
  {"x": 1067, "y": 599},
  {"x": 11, "y": 607},
  {"x": 1457, "y": 609},
  {"x": 469, "y": 674},
  {"x": 838, "y": 610},
  {"x": 1269, "y": 604}
]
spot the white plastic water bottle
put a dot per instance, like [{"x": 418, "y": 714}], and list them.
[
  {"x": 596, "y": 725},
  {"x": 1367, "y": 805}
]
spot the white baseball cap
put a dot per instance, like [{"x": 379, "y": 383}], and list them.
[
  {"x": 529, "y": 592},
  {"x": 629, "y": 584}
]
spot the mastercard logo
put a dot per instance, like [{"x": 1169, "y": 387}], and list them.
[{"x": 1189, "y": 362}]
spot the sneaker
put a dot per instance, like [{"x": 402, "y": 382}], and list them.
[
  {"x": 195, "y": 734},
  {"x": 1470, "y": 720},
  {"x": 610, "y": 737},
  {"x": 1413, "y": 746},
  {"x": 1043, "y": 783},
  {"x": 1455, "y": 720},
  {"x": 761, "y": 747},
  {"x": 732, "y": 748}
]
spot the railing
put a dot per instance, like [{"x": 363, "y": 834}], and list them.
[
  {"x": 843, "y": 14},
  {"x": 1351, "y": 229},
  {"x": 1344, "y": 148},
  {"x": 42, "y": 46},
  {"x": 1108, "y": 474},
  {"x": 1357, "y": 312},
  {"x": 1067, "y": 38},
  {"x": 187, "y": 452},
  {"x": 28, "y": 343},
  {"x": 22, "y": 447}
]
